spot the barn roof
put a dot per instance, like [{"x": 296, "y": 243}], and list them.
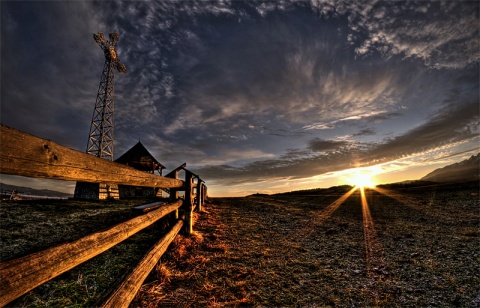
[{"x": 139, "y": 158}]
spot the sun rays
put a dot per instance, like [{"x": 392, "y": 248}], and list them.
[
  {"x": 373, "y": 249},
  {"x": 332, "y": 207}
]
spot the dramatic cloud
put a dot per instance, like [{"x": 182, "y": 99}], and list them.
[
  {"x": 449, "y": 126},
  {"x": 443, "y": 34}
]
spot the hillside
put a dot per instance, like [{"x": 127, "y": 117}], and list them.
[
  {"x": 32, "y": 191},
  {"x": 466, "y": 170},
  {"x": 318, "y": 191}
]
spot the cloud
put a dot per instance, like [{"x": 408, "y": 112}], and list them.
[
  {"x": 370, "y": 116},
  {"x": 278, "y": 69},
  {"x": 449, "y": 36},
  {"x": 233, "y": 157},
  {"x": 450, "y": 125},
  {"x": 263, "y": 69},
  {"x": 319, "y": 145},
  {"x": 192, "y": 75},
  {"x": 365, "y": 132}
]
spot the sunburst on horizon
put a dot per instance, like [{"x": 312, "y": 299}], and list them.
[{"x": 361, "y": 179}]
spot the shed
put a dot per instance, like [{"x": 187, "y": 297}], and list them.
[{"x": 139, "y": 157}]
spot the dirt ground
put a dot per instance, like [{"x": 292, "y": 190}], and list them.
[{"x": 416, "y": 247}]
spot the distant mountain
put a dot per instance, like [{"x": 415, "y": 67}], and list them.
[
  {"x": 466, "y": 170},
  {"x": 31, "y": 191},
  {"x": 407, "y": 184}
]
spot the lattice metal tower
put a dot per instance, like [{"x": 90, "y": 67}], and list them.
[{"x": 100, "y": 140}]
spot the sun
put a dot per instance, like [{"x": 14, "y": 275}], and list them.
[{"x": 361, "y": 180}]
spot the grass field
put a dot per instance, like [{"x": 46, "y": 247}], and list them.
[
  {"x": 416, "y": 247},
  {"x": 411, "y": 247}
]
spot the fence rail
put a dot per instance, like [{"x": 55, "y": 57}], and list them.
[
  {"x": 27, "y": 155},
  {"x": 127, "y": 290}
]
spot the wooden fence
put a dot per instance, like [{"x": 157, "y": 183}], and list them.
[{"x": 27, "y": 155}]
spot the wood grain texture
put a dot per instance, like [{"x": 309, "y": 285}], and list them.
[
  {"x": 27, "y": 155},
  {"x": 126, "y": 291},
  {"x": 148, "y": 207},
  {"x": 19, "y": 276}
]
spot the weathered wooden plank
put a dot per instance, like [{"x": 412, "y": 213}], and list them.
[
  {"x": 126, "y": 291},
  {"x": 27, "y": 155},
  {"x": 19, "y": 276},
  {"x": 148, "y": 207}
]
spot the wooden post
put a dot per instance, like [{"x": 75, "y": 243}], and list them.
[
  {"x": 173, "y": 191},
  {"x": 188, "y": 207},
  {"x": 199, "y": 195},
  {"x": 205, "y": 194}
]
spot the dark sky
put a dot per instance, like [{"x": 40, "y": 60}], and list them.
[{"x": 254, "y": 96}]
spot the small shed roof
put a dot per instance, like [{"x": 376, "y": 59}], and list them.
[{"x": 139, "y": 158}]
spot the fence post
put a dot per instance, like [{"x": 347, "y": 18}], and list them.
[
  {"x": 174, "y": 191},
  {"x": 200, "y": 195},
  {"x": 188, "y": 202}
]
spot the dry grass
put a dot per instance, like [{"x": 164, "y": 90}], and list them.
[
  {"x": 287, "y": 251},
  {"x": 29, "y": 226}
]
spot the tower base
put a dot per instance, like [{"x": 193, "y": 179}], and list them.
[{"x": 96, "y": 191}]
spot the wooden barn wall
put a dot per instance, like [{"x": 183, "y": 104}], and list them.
[{"x": 96, "y": 191}]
